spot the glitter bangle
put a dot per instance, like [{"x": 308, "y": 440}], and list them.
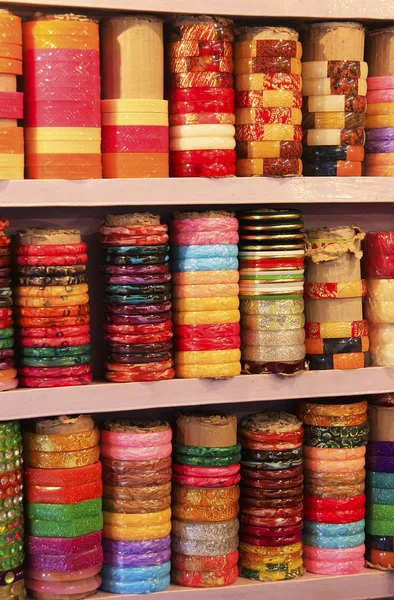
[
  {"x": 204, "y": 564},
  {"x": 63, "y": 477},
  {"x": 218, "y": 513},
  {"x": 144, "y": 559},
  {"x": 63, "y": 546},
  {"x": 342, "y": 541},
  {"x": 61, "y": 443},
  {"x": 64, "y": 495},
  {"x": 140, "y": 587},
  {"x": 75, "y": 528},
  {"x": 64, "y": 512},
  {"x": 198, "y": 579},
  {"x": 63, "y": 460},
  {"x": 138, "y": 520},
  {"x": 334, "y": 410},
  {"x": 204, "y": 547},
  {"x": 66, "y": 563},
  {"x": 143, "y": 533},
  {"x": 334, "y": 529}
]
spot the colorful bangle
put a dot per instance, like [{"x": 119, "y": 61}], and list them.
[
  {"x": 329, "y": 529},
  {"x": 138, "y": 520},
  {"x": 207, "y": 579},
  {"x": 114, "y": 467},
  {"x": 66, "y": 546},
  {"x": 203, "y": 452},
  {"x": 76, "y": 528},
  {"x": 331, "y": 466},
  {"x": 204, "y": 564},
  {"x": 334, "y": 554},
  {"x": 271, "y": 541},
  {"x": 64, "y": 589},
  {"x": 293, "y": 493},
  {"x": 152, "y": 492},
  {"x": 336, "y": 437},
  {"x": 339, "y": 516},
  {"x": 147, "y": 559},
  {"x": 218, "y": 513},
  {"x": 337, "y": 346},
  {"x": 66, "y": 563},
  {"x": 63, "y": 460},
  {"x": 63, "y": 477},
  {"x": 334, "y": 568},
  {"x": 135, "y": 479},
  {"x": 64, "y": 495},
  {"x": 64, "y": 512},
  {"x": 182, "y": 459},
  {"x": 59, "y": 443},
  {"x": 147, "y": 506},
  {"x": 40, "y": 575},
  {"x": 266, "y": 474},
  {"x": 205, "y": 496},
  {"x": 213, "y": 472},
  {"x": 136, "y": 548},
  {"x": 381, "y": 512},
  {"x": 273, "y": 530},
  {"x": 203, "y": 531},
  {"x": 334, "y": 410},
  {"x": 134, "y": 453}
]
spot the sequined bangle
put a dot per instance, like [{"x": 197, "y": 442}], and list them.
[
  {"x": 34, "y": 442},
  {"x": 204, "y": 547},
  {"x": 64, "y": 495},
  {"x": 143, "y": 533},
  {"x": 60, "y": 529},
  {"x": 205, "y": 531},
  {"x": 205, "y": 496},
  {"x": 336, "y": 437},
  {"x": 64, "y": 512},
  {"x": 66, "y": 563},
  {"x": 63, "y": 460},
  {"x": 63, "y": 546},
  {"x": 204, "y": 564},
  {"x": 66, "y": 477},
  {"x": 137, "y": 520}
]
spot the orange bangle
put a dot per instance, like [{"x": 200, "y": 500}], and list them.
[
  {"x": 340, "y": 362},
  {"x": 334, "y": 410},
  {"x": 342, "y": 289},
  {"x": 129, "y": 165},
  {"x": 34, "y": 442},
  {"x": 10, "y": 66},
  {"x": 45, "y": 42},
  {"x": 343, "y": 421},
  {"x": 63, "y": 477},
  {"x": 62, "y": 460},
  {"x": 336, "y": 345},
  {"x": 11, "y": 29},
  {"x": 205, "y": 497},
  {"x": 219, "y": 512},
  {"x": 64, "y": 494},
  {"x": 11, "y": 51}
]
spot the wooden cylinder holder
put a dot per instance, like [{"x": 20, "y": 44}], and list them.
[
  {"x": 208, "y": 431},
  {"x": 381, "y": 420},
  {"x": 334, "y": 41},
  {"x": 380, "y": 52},
  {"x": 44, "y": 237},
  {"x": 63, "y": 425},
  {"x": 132, "y": 57}
]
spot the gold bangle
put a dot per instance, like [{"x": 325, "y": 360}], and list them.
[
  {"x": 333, "y": 410},
  {"x": 34, "y": 442},
  {"x": 265, "y": 551},
  {"x": 203, "y": 497},
  {"x": 62, "y": 460},
  {"x": 208, "y": 371},
  {"x": 272, "y": 308}
]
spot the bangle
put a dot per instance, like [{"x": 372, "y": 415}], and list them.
[
  {"x": 64, "y": 589},
  {"x": 182, "y": 459},
  {"x": 334, "y": 568},
  {"x": 205, "y": 497},
  {"x": 218, "y": 513},
  {"x": 199, "y": 48},
  {"x": 336, "y": 437},
  {"x": 135, "y": 479},
  {"x": 335, "y": 491},
  {"x": 204, "y": 223},
  {"x": 63, "y": 460},
  {"x": 199, "y": 239},
  {"x": 334, "y": 120},
  {"x": 382, "y": 543},
  {"x": 331, "y": 466},
  {"x": 63, "y": 477},
  {"x": 272, "y": 81},
  {"x": 66, "y": 564},
  {"x": 151, "y": 492},
  {"x": 114, "y": 467},
  {"x": 140, "y": 587},
  {"x": 28, "y": 342},
  {"x": 75, "y": 528},
  {"x": 377, "y": 558},
  {"x": 334, "y": 554},
  {"x": 380, "y": 464},
  {"x": 216, "y": 547},
  {"x": 138, "y": 520},
  {"x": 273, "y": 131},
  {"x": 330, "y": 516},
  {"x": 217, "y": 290},
  {"x": 147, "y": 506},
  {"x": 64, "y": 495},
  {"x": 147, "y": 559},
  {"x": 205, "y": 264},
  {"x": 209, "y": 482},
  {"x": 55, "y": 381},
  {"x": 283, "y": 116},
  {"x": 53, "y": 311},
  {"x": 203, "y": 452},
  {"x": 40, "y": 575},
  {"x": 59, "y": 443},
  {"x": 268, "y": 99},
  {"x": 380, "y": 108},
  {"x": 207, "y": 371},
  {"x": 335, "y": 68},
  {"x": 272, "y": 528},
  {"x": 271, "y": 541},
  {"x": 204, "y": 531},
  {"x": 267, "y": 576},
  {"x": 202, "y": 471},
  {"x": 334, "y": 410},
  {"x": 341, "y": 541},
  {"x": 136, "y": 453},
  {"x": 252, "y": 513},
  {"x": 267, "y": 65},
  {"x": 52, "y": 302},
  {"x": 204, "y": 564},
  {"x": 138, "y": 329},
  {"x": 274, "y": 494},
  {"x": 206, "y": 579},
  {"x": 135, "y": 548},
  {"x": 269, "y": 149},
  {"x": 329, "y": 529},
  {"x": 63, "y": 512},
  {"x": 273, "y": 456},
  {"x": 335, "y": 478},
  {"x": 337, "y": 346},
  {"x": 381, "y": 512},
  {"x": 380, "y": 496},
  {"x": 136, "y": 574},
  {"x": 54, "y": 331},
  {"x": 262, "y": 552},
  {"x": 350, "y": 289},
  {"x": 279, "y": 167},
  {"x": 272, "y": 308},
  {"x": 227, "y": 303},
  {"x": 151, "y": 532},
  {"x": 51, "y": 291},
  {"x": 207, "y": 358},
  {"x": 205, "y": 277},
  {"x": 267, "y": 475}
]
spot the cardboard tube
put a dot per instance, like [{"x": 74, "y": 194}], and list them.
[
  {"x": 346, "y": 309},
  {"x": 133, "y": 57},
  {"x": 381, "y": 423},
  {"x": 334, "y": 41},
  {"x": 380, "y": 52}
]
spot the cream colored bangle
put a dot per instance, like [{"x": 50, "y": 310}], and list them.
[
  {"x": 272, "y": 338},
  {"x": 326, "y": 85},
  {"x": 272, "y": 308},
  {"x": 191, "y": 131},
  {"x": 281, "y": 323},
  {"x": 381, "y": 334},
  {"x": 328, "y": 137},
  {"x": 273, "y": 354},
  {"x": 326, "y": 104},
  {"x": 316, "y": 69},
  {"x": 381, "y": 290},
  {"x": 202, "y": 143},
  {"x": 382, "y": 356}
]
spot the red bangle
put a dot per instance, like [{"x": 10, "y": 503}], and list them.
[
  {"x": 151, "y": 338},
  {"x": 63, "y": 477},
  {"x": 291, "y": 436},
  {"x": 207, "y": 170},
  {"x": 273, "y": 521},
  {"x": 273, "y": 485},
  {"x": 5, "y": 313},
  {"x": 219, "y": 343},
  {"x": 135, "y": 138},
  {"x": 295, "y": 493},
  {"x": 270, "y": 541},
  {"x": 214, "y": 482},
  {"x": 379, "y": 243},
  {"x": 51, "y": 249},
  {"x": 255, "y": 510},
  {"x": 271, "y": 475},
  {"x": 52, "y": 311},
  {"x": 44, "y": 114},
  {"x": 201, "y": 94},
  {"x": 210, "y": 106},
  {"x": 334, "y": 503},
  {"x": 52, "y": 261},
  {"x": 271, "y": 530},
  {"x": 334, "y": 516},
  {"x": 203, "y": 157},
  {"x": 251, "y": 503},
  {"x": 54, "y": 371},
  {"x": 54, "y": 342},
  {"x": 4, "y": 323},
  {"x": 201, "y": 332},
  {"x": 139, "y": 329},
  {"x": 54, "y": 332},
  {"x": 64, "y": 495},
  {"x": 271, "y": 263},
  {"x": 206, "y": 471}
]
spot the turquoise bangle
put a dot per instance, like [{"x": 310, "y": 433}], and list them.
[
  {"x": 71, "y": 361},
  {"x": 204, "y": 251},
  {"x": 54, "y": 352},
  {"x": 380, "y": 496},
  {"x": 130, "y": 574},
  {"x": 341, "y": 541},
  {"x": 379, "y": 527},
  {"x": 7, "y": 343},
  {"x": 63, "y": 512},
  {"x": 7, "y": 332},
  {"x": 136, "y": 587},
  {"x": 380, "y": 480},
  {"x": 206, "y": 452},
  {"x": 197, "y": 461},
  {"x": 69, "y": 529},
  {"x": 187, "y": 265},
  {"x": 380, "y": 512},
  {"x": 328, "y": 529}
]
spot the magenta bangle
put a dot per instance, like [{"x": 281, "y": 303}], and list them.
[
  {"x": 56, "y": 546},
  {"x": 64, "y": 589},
  {"x": 149, "y": 453},
  {"x": 57, "y": 576},
  {"x": 381, "y": 83},
  {"x": 334, "y": 554},
  {"x": 204, "y": 224},
  {"x": 206, "y": 471},
  {"x": 66, "y": 563},
  {"x": 204, "y": 237},
  {"x": 334, "y": 503},
  {"x": 334, "y": 568},
  {"x": 380, "y": 96},
  {"x": 136, "y": 440}
]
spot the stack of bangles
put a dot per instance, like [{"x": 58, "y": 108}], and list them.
[
  {"x": 136, "y": 458},
  {"x": 268, "y": 102},
  {"x": 334, "y": 505},
  {"x": 137, "y": 298},
  {"x": 272, "y": 250},
  {"x": 12, "y": 555},
  {"x": 63, "y": 508},
  {"x": 11, "y": 101},
  {"x": 204, "y": 257},
  {"x": 380, "y": 488},
  {"x": 201, "y": 95},
  {"x": 8, "y": 372},
  {"x": 52, "y": 308},
  {"x": 205, "y": 501},
  {"x": 271, "y": 497}
]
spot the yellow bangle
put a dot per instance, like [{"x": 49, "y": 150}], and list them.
[
  {"x": 137, "y": 520},
  {"x": 50, "y": 291},
  {"x": 63, "y": 134},
  {"x": 12, "y": 173},
  {"x": 63, "y": 147},
  {"x": 263, "y": 82},
  {"x": 258, "y": 167},
  {"x": 34, "y": 442},
  {"x": 267, "y": 569},
  {"x": 160, "y": 119},
  {"x": 205, "y": 304},
  {"x": 220, "y": 512},
  {"x": 214, "y": 317},
  {"x": 381, "y": 108},
  {"x": 207, "y": 357},
  {"x": 52, "y": 26},
  {"x": 379, "y": 121},
  {"x": 137, "y": 534},
  {"x": 220, "y": 290},
  {"x": 62, "y": 460},
  {"x": 262, "y": 551},
  {"x": 333, "y": 120},
  {"x": 208, "y": 371},
  {"x": 54, "y": 301},
  {"x": 12, "y": 160},
  {"x": 205, "y": 277}
]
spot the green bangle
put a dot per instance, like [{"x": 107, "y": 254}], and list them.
[
  {"x": 56, "y": 362},
  {"x": 7, "y": 343},
  {"x": 6, "y": 332},
  {"x": 11, "y": 561},
  {"x": 68, "y": 529},
  {"x": 336, "y": 437},
  {"x": 9, "y": 428},
  {"x": 379, "y": 527},
  {"x": 380, "y": 512},
  {"x": 10, "y": 442},
  {"x": 206, "y": 452},
  {"x": 54, "y": 352},
  {"x": 198, "y": 461},
  {"x": 64, "y": 512}
]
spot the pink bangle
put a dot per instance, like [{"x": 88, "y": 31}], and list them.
[
  {"x": 334, "y": 454},
  {"x": 66, "y": 563},
  {"x": 381, "y": 83},
  {"x": 65, "y": 589},
  {"x": 130, "y": 453},
  {"x": 334, "y": 554},
  {"x": 334, "y": 568},
  {"x": 56, "y": 546},
  {"x": 206, "y": 471},
  {"x": 380, "y": 96},
  {"x": 136, "y": 440},
  {"x": 39, "y": 575},
  {"x": 331, "y": 466},
  {"x": 10, "y": 384},
  {"x": 204, "y": 224},
  {"x": 203, "y": 238}
]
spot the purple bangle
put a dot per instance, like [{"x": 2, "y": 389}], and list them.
[
  {"x": 147, "y": 559},
  {"x": 380, "y": 464},
  {"x": 56, "y": 546},
  {"x": 379, "y": 133},
  {"x": 380, "y": 449},
  {"x": 378, "y": 147},
  {"x": 117, "y": 547},
  {"x": 66, "y": 563}
]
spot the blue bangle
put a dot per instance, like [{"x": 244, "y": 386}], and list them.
[
  {"x": 150, "y": 259},
  {"x": 341, "y": 541},
  {"x": 137, "y": 300},
  {"x": 380, "y": 542},
  {"x": 328, "y": 529},
  {"x": 379, "y": 496},
  {"x": 204, "y": 264},
  {"x": 320, "y": 168},
  {"x": 380, "y": 480},
  {"x": 138, "y": 574},
  {"x": 205, "y": 251},
  {"x": 325, "y": 153},
  {"x": 136, "y": 587}
]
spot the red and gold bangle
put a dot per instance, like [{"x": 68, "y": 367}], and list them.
[
  {"x": 266, "y": 116},
  {"x": 334, "y": 516},
  {"x": 198, "y": 107},
  {"x": 51, "y": 249},
  {"x": 268, "y": 49},
  {"x": 201, "y": 80},
  {"x": 275, "y": 167},
  {"x": 52, "y": 261},
  {"x": 217, "y": 513},
  {"x": 326, "y": 86},
  {"x": 205, "y": 497},
  {"x": 338, "y": 329},
  {"x": 61, "y": 443},
  {"x": 201, "y": 64},
  {"x": 52, "y": 311},
  {"x": 323, "y": 291},
  {"x": 271, "y": 132},
  {"x": 64, "y": 494},
  {"x": 271, "y": 521},
  {"x": 205, "y": 579},
  {"x": 273, "y": 81},
  {"x": 204, "y": 564},
  {"x": 248, "y": 510},
  {"x": 208, "y": 170},
  {"x": 63, "y": 460},
  {"x": 268, "y": 99},
  {"x": 336, "y": 345},
  {"x": 335, "y": 503},
  {"x": 342, "y": 421},
  {"x": 209, "y": 29},
  {"x": 268, "y": 149},
  {"x": 279, "y": 64},
  {"x": 199, "y": 48},
  {"x": 202, "y": 119},
  {"x": 143, "y": 375}
]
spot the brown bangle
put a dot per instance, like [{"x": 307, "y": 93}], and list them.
[
  {"x": 334, "y": 478},
  {"x": 136, "y": 506},
  {"x": 153, "y": 492},
  {"x": 197, "y": 496},
  {"x": 335, "y": 491},
  {"x": 135, "y": 466},
  {"x": 137, "y": 479}
]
